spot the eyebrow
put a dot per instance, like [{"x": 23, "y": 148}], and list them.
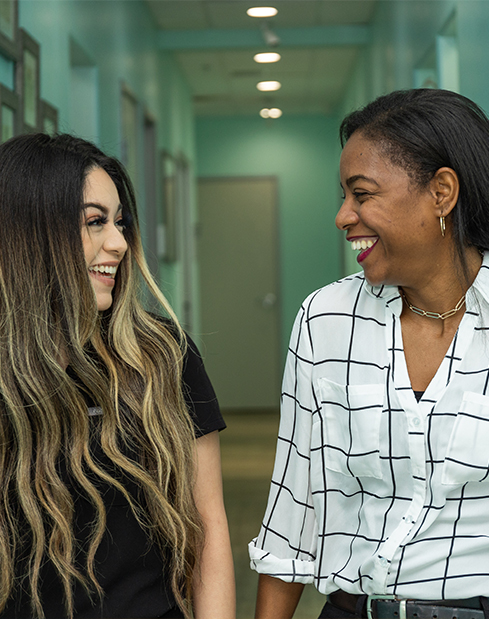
[
  {"x": 101, "y": 207},
  {"x": 360, "y": 177}
]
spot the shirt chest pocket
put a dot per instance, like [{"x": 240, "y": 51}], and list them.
[
  {"x": 348, "y": 428},
  {"x": 467, "y": 457}
]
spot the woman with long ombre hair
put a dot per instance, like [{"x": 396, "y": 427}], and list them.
[{"x": 111, "y": 497}]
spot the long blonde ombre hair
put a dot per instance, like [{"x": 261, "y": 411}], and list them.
[{"x": 125, "y": 359}]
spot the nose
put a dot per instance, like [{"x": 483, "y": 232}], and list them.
[
  {"x": 346, "y": 216},
  {"x": 115, "y": 241}
]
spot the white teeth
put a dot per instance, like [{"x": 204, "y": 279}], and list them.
[
  {"x": 363, "y": 244},
  {"x": 103, "y": 269}
]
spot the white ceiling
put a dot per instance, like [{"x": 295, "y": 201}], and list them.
[{"x": 223, "y": 76}]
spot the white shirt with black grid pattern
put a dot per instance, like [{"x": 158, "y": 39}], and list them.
[{"x": 373, "y": 492}]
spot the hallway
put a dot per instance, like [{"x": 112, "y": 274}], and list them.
[
  {"x": 248, "y": 450},
  {"x": 171, "y": 88}
]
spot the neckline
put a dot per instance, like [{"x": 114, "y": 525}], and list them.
[{"x": 418, "y": 395}]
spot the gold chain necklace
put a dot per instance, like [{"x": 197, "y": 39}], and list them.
[{"x": 443, "y": 316}]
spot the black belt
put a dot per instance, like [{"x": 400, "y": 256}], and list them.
[{"x": 389, "y": 607}]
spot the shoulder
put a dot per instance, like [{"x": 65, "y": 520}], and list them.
[
  {"x": 199, "y": 393},
  {"x": 339, "y": 297},
  {"x": 192, "y": 355},
  {"x": 192, "y": 360},
  {"x": 329, "y": 315},
  {"x": 166, "y": 329},
  {"x": 197, "y": 388},
  {"x": 164, "y": 322}
]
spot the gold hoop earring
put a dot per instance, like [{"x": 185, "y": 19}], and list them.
[{"x": 442, "y": 226}]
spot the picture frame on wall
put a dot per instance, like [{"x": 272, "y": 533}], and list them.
[
  {"x": 28, "y": 83},
  {"x": 130, "y": 132},
  {"x": 9, "y": 28},
  {"x": 168, "y": 229},
  {"x": 9, "y": 113},
  {"x": 49, "y": 118}
]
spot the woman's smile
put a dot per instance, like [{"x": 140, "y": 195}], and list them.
[
  {"x": 104, "y": 273},
  {"x": 364, "y": 244}
]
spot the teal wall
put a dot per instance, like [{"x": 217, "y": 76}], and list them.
[
  {"x": 403, "y": 34},
  {"x": 302, "y": 153},
  {"x": 119, "y": 39},
  {"x": 473, "y": 29}
]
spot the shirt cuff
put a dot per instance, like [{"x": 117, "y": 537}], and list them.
[{"x": 288, "y": 570}]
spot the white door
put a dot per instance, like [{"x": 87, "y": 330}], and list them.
[{"x": 238, "y": 261}]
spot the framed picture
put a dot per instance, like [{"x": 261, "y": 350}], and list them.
[
  {"x": 167, "y": 242},
  {"x": 130, "y": 133},
  {"x": 28, "y": 83},
  {"x": 49, "y": 118},
  {"x": 150, "y": 173},
  {"x": 9, "y": 23},
  {"x": 9, "y": 113}
]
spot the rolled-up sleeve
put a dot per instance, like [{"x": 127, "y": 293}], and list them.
[{"x": 286, "y": 545}]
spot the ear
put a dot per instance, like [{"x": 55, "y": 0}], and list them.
[{"x": 444, "y": 187}]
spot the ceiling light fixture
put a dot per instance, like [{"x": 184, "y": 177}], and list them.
[
  {"x": 273, "y": 112},
  {"x": 268, "y": 86},
  {"x": 266, "y": 57},
  {"x": 262, "y": 11}
]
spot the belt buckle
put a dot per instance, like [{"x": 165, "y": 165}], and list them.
[{"x": 402, "y": 604}]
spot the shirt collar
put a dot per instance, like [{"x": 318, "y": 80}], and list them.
[
  {"x": 389, "y": 294},
  {"x": 478, "y": 290}
]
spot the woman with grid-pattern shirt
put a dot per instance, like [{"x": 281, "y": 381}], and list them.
[{"x": 381, "y": 480}]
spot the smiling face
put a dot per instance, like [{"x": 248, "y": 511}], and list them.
[
  {"x": 103, "y": 240},
  {"x": 387, "y": 218}
]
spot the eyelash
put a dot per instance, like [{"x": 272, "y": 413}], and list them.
[
  {"x": 100, "y": 221},
  {"x": 356, "y": 195}
]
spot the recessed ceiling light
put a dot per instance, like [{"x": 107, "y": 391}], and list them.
[
  {"x": 268, "y": 86},
  {"x": 267, "y": 57},
  {"x": 274, "y": 112},
  {"x": 262, "y": 11}
]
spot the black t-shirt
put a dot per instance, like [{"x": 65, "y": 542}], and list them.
[{"x": 130, "y": 570}]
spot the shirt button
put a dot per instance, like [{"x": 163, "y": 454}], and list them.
[
  {"x": 416, "y": 422},
  {"x": 383, "y": 562}
]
